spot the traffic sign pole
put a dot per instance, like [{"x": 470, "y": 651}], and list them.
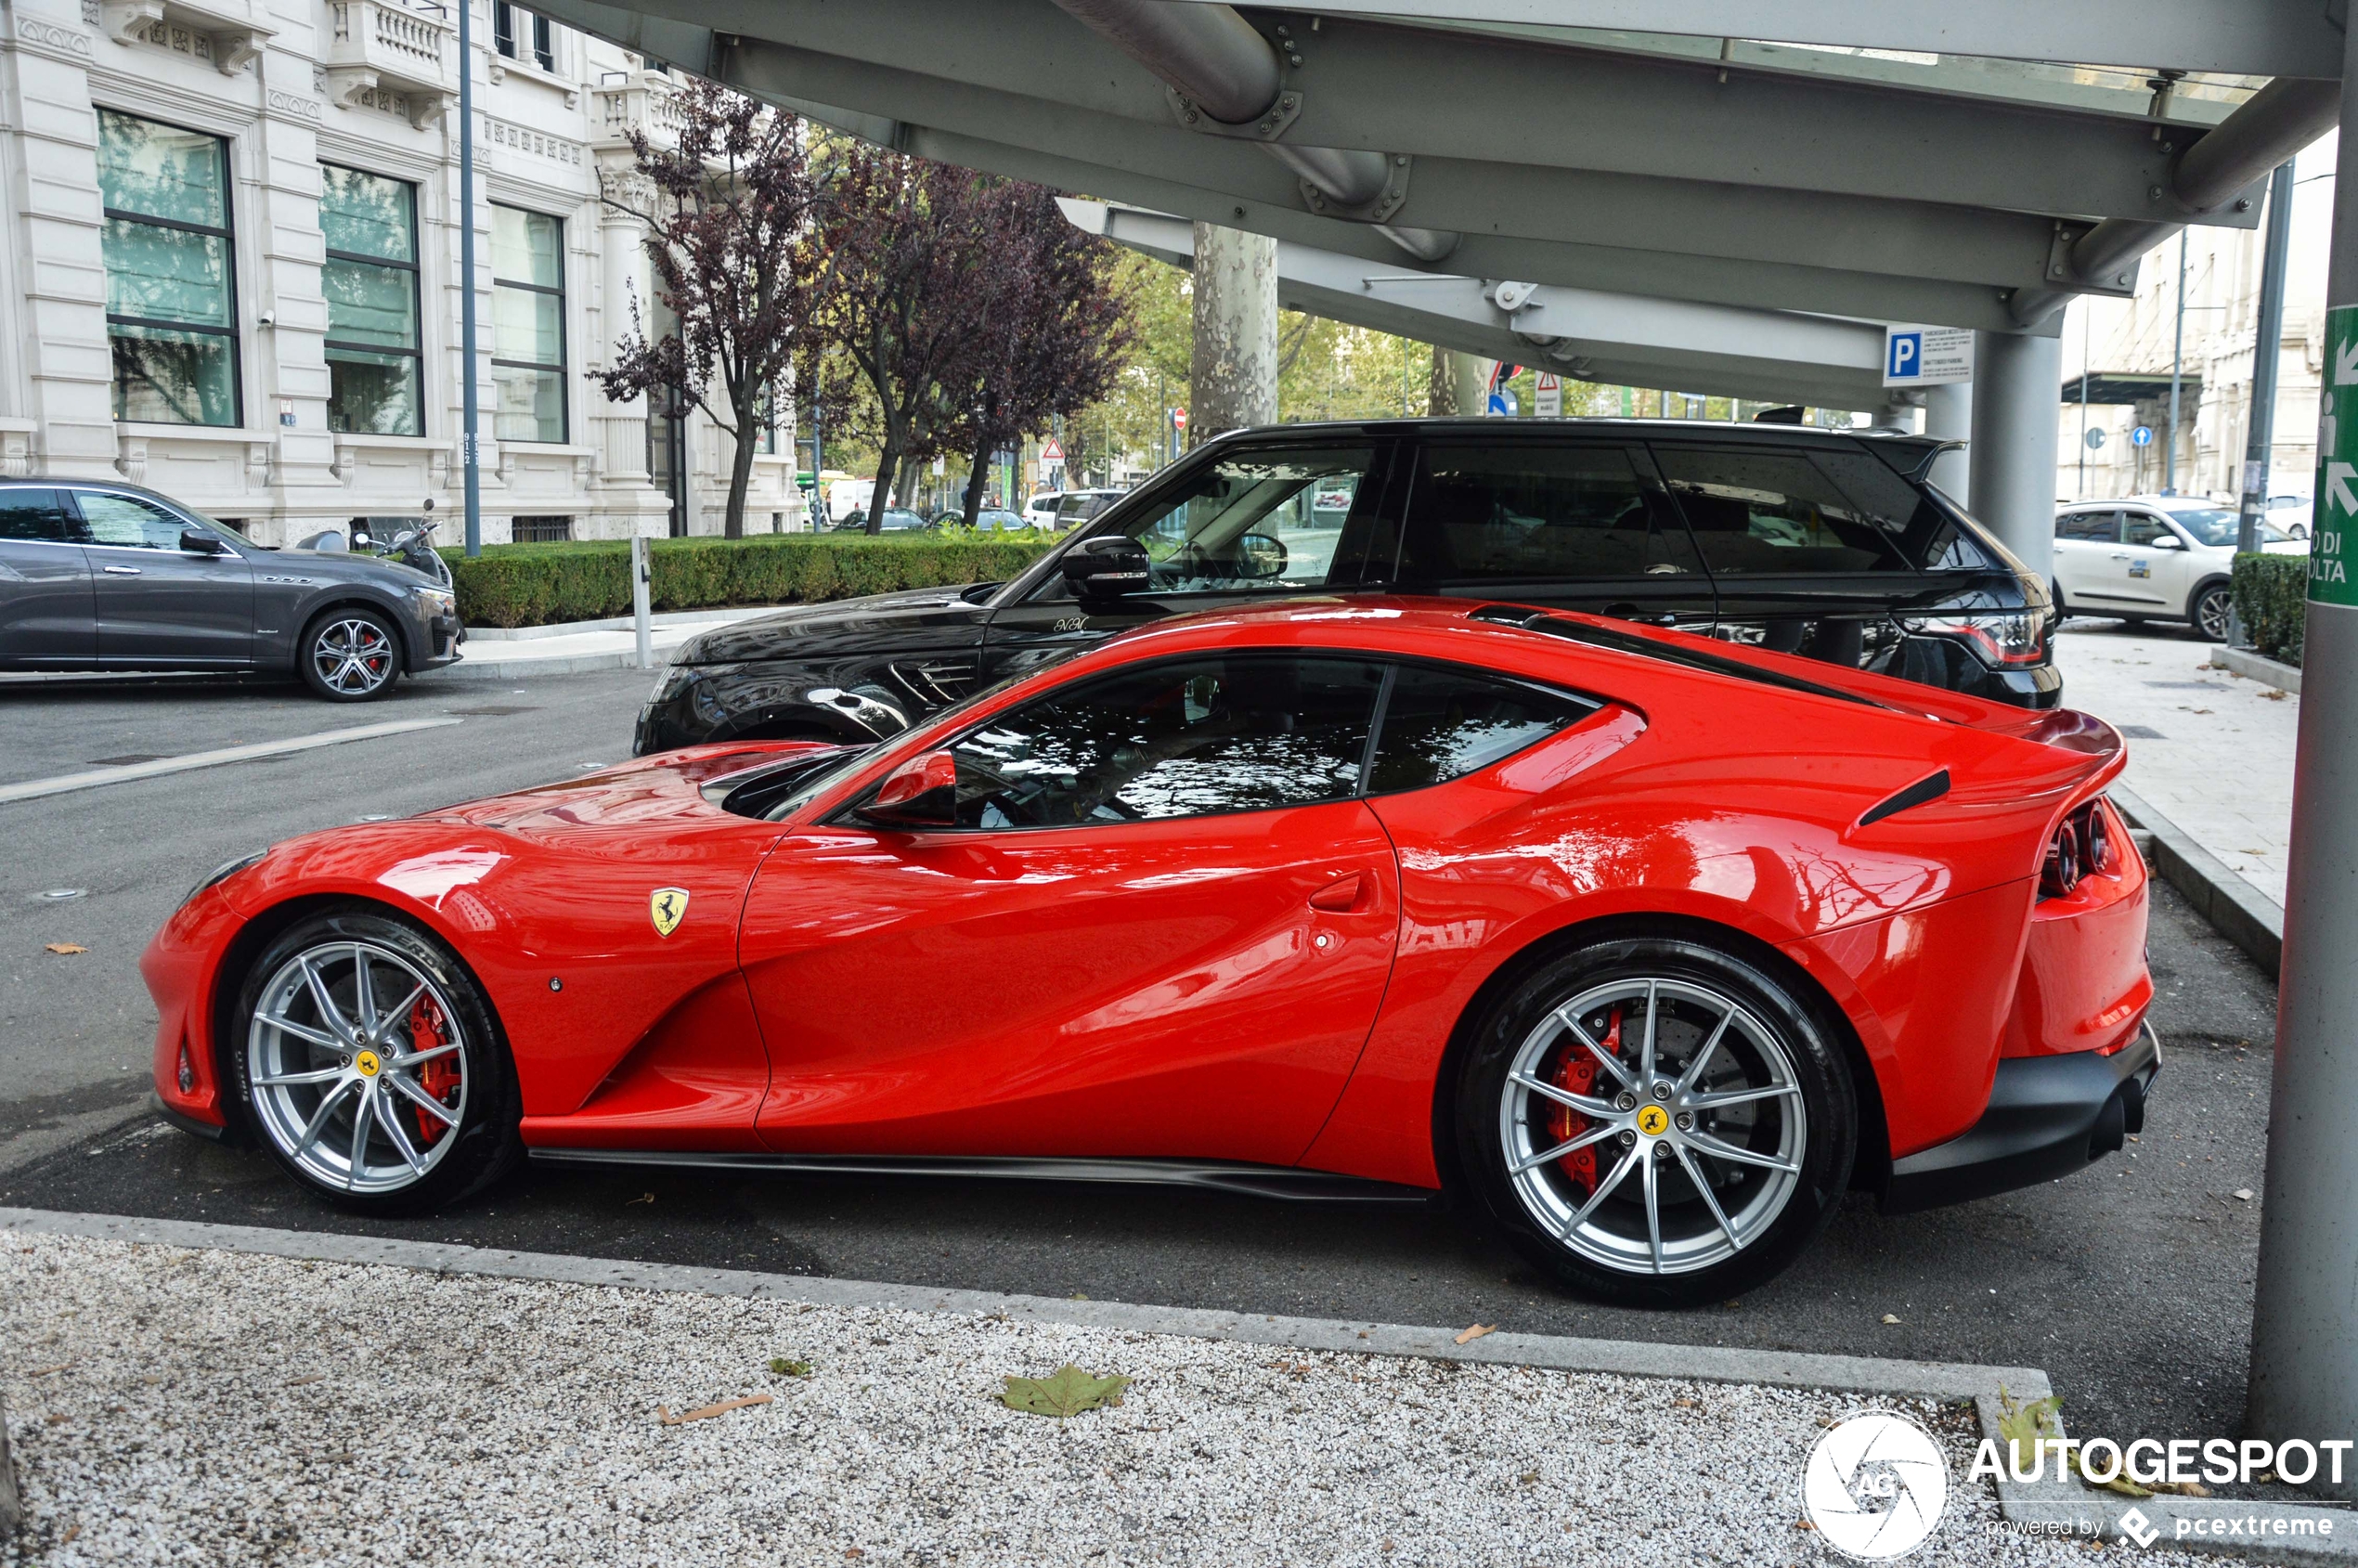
[{"x": 2304, "y": 1339}]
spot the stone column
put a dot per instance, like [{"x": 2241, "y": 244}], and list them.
[
  {"x": 622, "y": 427},
  {"x": 1233, "y": 375}
]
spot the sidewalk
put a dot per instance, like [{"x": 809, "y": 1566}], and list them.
[
  {"x": 498, "y": 654},
  {"x": 2210, "y": 751}
]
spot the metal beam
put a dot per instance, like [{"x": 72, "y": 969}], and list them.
[
  {"x": 1619, "y": 339},
  {"x": 2244, "y": 37}
]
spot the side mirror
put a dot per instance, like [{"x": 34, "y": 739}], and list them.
[
  {"x": 1107, "y": 566},
  {"x": 920, "y": 793},
  {"x": 197, "y": 542},
  {"x": 2168, "y": 541}
]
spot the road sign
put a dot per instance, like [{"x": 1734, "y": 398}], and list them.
[
  {"x": 1547, "y": 396},
  {"x": 2096, "y": 440},
  {"x": 2331, "y": 527},
  {"x": 1502, "y": 404},
  {"x": 1053, "y": 452},
  {"x": 1926, "y": 356},
  {"x": 2142, "y": 437},
  {"x": 1178, "y": 418}
]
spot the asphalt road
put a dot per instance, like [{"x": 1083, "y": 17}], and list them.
[{"x": 76, "y": 1031}]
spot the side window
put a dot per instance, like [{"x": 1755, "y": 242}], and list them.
[
  {"x": 2089, "y": 527},
  {"x": 128, "y": 520},
  {"x": 1923, "y": 534},
  {"x": 38, "y": 515},
  {"x": 1524, "y": 513},
  {"x": 1756, "y": 511},
  {"x": 1441, "y": 724},
  {"x": 2142, "y": 529},
  {"x": 1255, "y": 522},
  {"x": 1186, "y": 739}
]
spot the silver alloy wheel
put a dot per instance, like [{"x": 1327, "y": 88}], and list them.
[
  {"x": 2211, "y": 613},
  {"x": 353, "y": 655},
  {"x": 335, "y": 1071},
  {"x": 1705, "y": 1111}
]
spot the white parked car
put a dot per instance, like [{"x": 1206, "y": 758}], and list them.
[
  {"x": 2291, "y": 512},
  {"x": 2164, "y": 558},
  {"x": 1068, "y": 508}
]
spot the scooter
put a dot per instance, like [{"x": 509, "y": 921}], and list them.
[{"x": 411, "y": 546}]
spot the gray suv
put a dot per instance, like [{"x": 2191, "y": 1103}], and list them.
[{"x": 101, "y": 575}]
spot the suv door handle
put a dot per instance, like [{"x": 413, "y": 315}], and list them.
[
  {"x": 123, "y": 571},
  {"x": 1342, "y": 895}
]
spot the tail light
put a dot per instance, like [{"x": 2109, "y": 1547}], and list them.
[
  {"x": 2082, "y": 846},
  {"x": 2001, "y": 638}
]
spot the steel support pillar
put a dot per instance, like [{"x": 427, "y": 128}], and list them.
[
  {"x": 2304, "y": 1338},
  {"x": 2017, "y": 398},
  {"x": 1948, "y": 414},
  {"x": 1231, "y": 374}
]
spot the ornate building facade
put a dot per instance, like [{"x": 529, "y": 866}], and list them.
[{"x": 232, "y": 244}]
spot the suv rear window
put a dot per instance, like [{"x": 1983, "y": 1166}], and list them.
[
  {"x": 1756, "y": 511},
  {"x": 1524, "y": 513}
]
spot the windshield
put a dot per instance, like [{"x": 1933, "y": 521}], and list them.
[{"x": 2216, "y": 526}]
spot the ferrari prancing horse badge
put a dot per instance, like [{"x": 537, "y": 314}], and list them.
[{"x": 668, "y": 905}]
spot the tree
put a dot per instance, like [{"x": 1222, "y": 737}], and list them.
[
  {"x": 1054, "y": 327},
  {"x": 729, "y": 210}
]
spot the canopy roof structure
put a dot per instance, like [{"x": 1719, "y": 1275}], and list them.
[{"x": 1540, "y": 140}]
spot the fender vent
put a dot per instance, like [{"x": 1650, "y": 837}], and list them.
[{"x": 1916, "y": 794}]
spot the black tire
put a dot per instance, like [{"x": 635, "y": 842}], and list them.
[
  {"x": 1776, "y": 1043},
  {"x": 2210, "y": 610},
  {"x": 460, "y": 1160},
  {"x": 2062, "y": 610},
  {"x": 350, "y": 654}
]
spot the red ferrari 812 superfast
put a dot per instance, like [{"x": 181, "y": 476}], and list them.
[{"x": 1645, "y": 946}]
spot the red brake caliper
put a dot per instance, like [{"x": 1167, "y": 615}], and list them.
[
  {"x": 1578, "y": 1073},
  {"x": 437, "y": 1077}
]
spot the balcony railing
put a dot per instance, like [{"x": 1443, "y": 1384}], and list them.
[{"x": 397, "y": 55}]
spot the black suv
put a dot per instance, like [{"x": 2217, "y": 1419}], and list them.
[{"x": 1826, "y": 543}]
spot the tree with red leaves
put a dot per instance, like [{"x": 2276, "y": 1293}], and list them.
[{"x": 730, "y": 211}]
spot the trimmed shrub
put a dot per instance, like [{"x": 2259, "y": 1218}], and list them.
[
  {"x": 540, "y": 584},
  {"x": 2272, "y": 593}
]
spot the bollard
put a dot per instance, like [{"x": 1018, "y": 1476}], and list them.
[{"x": 639, "y": 597}]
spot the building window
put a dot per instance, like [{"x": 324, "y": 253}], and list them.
[
  {"x": 540, "y": 530},
  {"x": 371, "y": 278},
  {"x": 528, "y": 326},
  {"x": 514, "y": 30},
  {"x": 171, "y": 305}
]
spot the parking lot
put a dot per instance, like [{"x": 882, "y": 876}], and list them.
[{"x": 2131, "y": 1283}]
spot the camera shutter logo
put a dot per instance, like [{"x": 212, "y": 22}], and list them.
[{"x": 1874, "y": 1487}]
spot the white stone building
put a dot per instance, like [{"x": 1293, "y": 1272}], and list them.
[
  {"x": 2129, "y": 344},
  {"x": 232, "y": 250}
]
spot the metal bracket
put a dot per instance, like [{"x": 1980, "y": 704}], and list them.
[
  {"x": 1274, "y": 123},
  {"x": 1388, "y": 200},
  {"x": 2117, "y": 285}
]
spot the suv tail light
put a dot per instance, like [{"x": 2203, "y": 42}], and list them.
[
  {"x": 2083, "y": 845},
  {"x": 2001, "y": 638}
]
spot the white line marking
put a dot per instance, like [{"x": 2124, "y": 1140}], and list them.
[{"x": 34, "y": 789}]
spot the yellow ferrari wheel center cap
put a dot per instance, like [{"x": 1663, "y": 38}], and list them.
[
  {"x": 366, "y": 1064},
  {"x": 1653, "y": 1120}
]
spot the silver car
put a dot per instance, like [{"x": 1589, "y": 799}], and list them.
[{"x": 99, "y": 576}]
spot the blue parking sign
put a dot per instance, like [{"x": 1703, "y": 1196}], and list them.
[{"x": 1906, "y": 351}]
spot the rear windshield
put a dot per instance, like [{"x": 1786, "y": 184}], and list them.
[{"x": 1830, "y": 513}]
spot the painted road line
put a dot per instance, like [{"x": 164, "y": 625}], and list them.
[{"x": 32, "y": 789}]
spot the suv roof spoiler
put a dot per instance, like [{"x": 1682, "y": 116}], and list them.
[{"x": 1911, "y": 455}]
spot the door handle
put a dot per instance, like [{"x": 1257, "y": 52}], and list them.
[
  {"x": 1342, "y": 895},
  {"x": 2120, "y": 555},
  {"x": 123, "y": 571}
]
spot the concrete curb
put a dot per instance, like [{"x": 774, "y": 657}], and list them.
[
  {"x": 621, "y": 623},
  {"x": 2256, "y": 667},
  {"x": 526, "y": 668},
  {"x": 2235, "y": 909},
  {"x": 2057, "y": 1508}
]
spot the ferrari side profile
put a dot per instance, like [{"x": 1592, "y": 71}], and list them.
[{"x": 1644, "y": 947}]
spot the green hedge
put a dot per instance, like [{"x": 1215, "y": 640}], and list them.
[
  {"x": 2271, "y": 594},
  {"x": 541, "y": 584}
]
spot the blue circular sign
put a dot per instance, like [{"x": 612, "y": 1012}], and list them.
[{"x": 2142, "y": 437}]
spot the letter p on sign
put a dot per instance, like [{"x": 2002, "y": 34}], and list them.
[{"x": 1905, "y": 353}]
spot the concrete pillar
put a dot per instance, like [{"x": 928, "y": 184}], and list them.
[
  {"x": 2304, "y": 1338},
  {"x": 1948, "y": 414},
  {"x": 1460, "y": 383},
  {"x": 1232, "y": 376},
  {"x": 2017, "y": 399}
]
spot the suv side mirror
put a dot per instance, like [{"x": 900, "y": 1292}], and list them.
[
  {"x": 920, "y": 793},
  {"x": 1107, "y": 566},
  {"x": 198, "y": 542},
  {"x": 2168, "y": 541}
]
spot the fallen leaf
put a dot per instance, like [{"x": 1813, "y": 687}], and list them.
[
  {"x": 2121, "y": 1483},
  {"x": 720, "y": 1409},
  {"x": 1477, "y": 1331},
  {"x": 57, "y": 1421},
  {"x": 67, "y": 947},
  {"x": 787, "y": 1369},
  {"x": 314, "y": 1378},
  {"x": 1682, "y": 1404},
  {"x": 649, "y": 1199},
  {"x": 1891, "y": 1317},
  {"x": 45, "y": 1371},
  {"x": 2183, "y": 1488},
  {"x": 1066, "y": 1392},
  {"x": 1802, "y": 1525},
  {"x": 71, "y": 1531},
  {"x": 2023, "y": 1425},
  {"x": 2243, "y": 1195}
]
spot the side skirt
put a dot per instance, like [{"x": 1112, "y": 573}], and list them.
[{"x": 1255, "y": 1181}]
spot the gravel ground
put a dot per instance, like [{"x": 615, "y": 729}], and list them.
[{"x": 174, "y": 1406}]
